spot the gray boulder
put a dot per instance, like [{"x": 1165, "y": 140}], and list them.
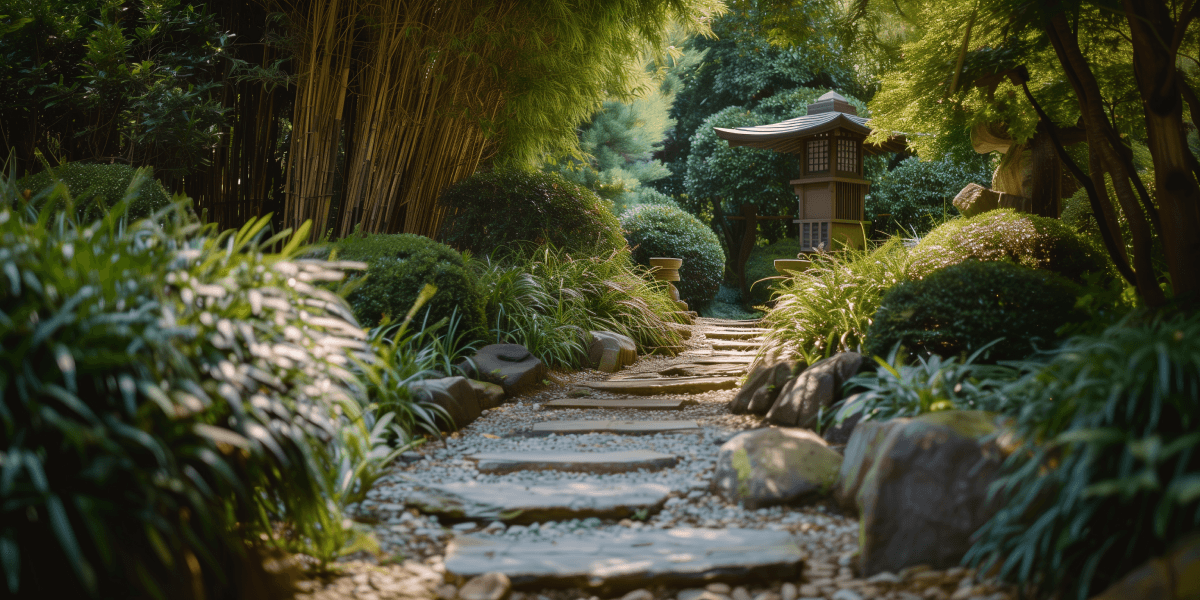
[
  {"x": 762, "y": 388},
  {"x": 766, "y": 467},
  {"x": 509, "y": 365},
  {"x": 975, "y": 199},
  {"x": 839, "y": 434},
  {"x": 454, "y": 394},
  {"x": 920, "y": 487},
  {"x": 610, "y": 352},
  {"x": 489, "y": 395},
  {"x": 815, "y": 389}
]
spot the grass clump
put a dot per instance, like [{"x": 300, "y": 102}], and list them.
[
  {"x": 828, "y": 307},
  {"x": 1108, "y": 474},
  {"x": 170, "y": 398},
  {"x": 97, "y": 187},
  {"x": 960, "y": 309},
  {"x": 514, "y": 208},
  {"x": 1004, "y": 234},
  {"x": 398, "y": 268},
  {"x": 669, "y": 232},
  {"x": 549, "y": 301}
]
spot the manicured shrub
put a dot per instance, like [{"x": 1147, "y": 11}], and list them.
[
  {"x": 666, "y": 231},
  {"x": 917, "y": 194},
  {"x": 957, "y": 310},
  {"x": 398, "y": 267},
  {"x": 167, "y": 400},
  {"x": 761, "y": 275},
  {"x": 1108, "y": 473},
  {"x": 487, "y": 211},
  {"x": 96, "y": 187},
  {"x": 1025, "y": 239}
]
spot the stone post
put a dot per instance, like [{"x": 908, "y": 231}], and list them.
[{"x": 667, "y": 269}]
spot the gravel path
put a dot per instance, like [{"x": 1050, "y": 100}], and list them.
[{"x": 827, "y": 538}]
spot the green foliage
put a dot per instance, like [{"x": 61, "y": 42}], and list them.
[
  {"x": 828, "y": 307},
  {"x": 488, "y": 211},
  {"x": 1108, "y": 473},
  {"x": 917, "y": 194},
  {"x": 1004, "y": 234},
  {"x": 89, "y": 81},
  {"x": 897, "y": 390},
  {"x": 548, "y": 301},
  {"x": 664, "y": 231},
  {"x": 643, "y": 195},
  {"x": 168, "y": 398},
  {"x": 761, "y": 275},
  {"x": 398, "y": 267},
  {"x": 961, "y": 308},
  {"x": 105, "y": 185}
]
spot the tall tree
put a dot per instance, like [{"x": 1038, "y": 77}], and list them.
[{"x": 398, "y": 100}]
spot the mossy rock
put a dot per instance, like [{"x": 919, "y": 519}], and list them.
[
  {"x": 1006, "y": 235},
  {"x": 398, "y": 267},
  {"x": 95, "y": 188}
]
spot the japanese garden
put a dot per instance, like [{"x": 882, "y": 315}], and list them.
[{"x": 605, "y": 300}]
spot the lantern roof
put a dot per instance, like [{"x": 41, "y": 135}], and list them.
[{"x": 829, "y": 112}]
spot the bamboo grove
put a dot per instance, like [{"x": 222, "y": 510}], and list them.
[{"x": 397, "y": 100}]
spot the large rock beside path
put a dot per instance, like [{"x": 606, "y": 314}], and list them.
[
  {"x": 610, "y": 352},
  {"x": 815, "y": 389},
  {"x": 454, "y": 394},
  {"x": 509, "y": 365},
  {"x": 767, "y": 467},
  {"x": 920, "y": 486},
  {"x": 489, "y": 395},
  {"x": 609, "y": 564},
  {"x": 762, "y": 387}
]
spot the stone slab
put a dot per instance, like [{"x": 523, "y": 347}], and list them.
[
  {"x": 618, "y": 427},
  {"x": 675, "y": 385},
  {"x": 721, "y": 359},
  {"x": 699, "y": 370},
  {"x": 610, "y": 564},
  {"x": 619, "y": 403},
  {"x": 622, "y": 461},
  {"x": 731, "y": 323},
  {"x": 733, "y": 334},
  {"x": 735, "y": 345},
  {"x": 517, "y": 503}
]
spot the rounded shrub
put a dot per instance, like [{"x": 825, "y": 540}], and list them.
[
  {"x": 508, "y": 207},
  {"x": 398, "y": 267},
  {"x": 96, "y": 187},
  {"x": 959, "y": 309},
  {"x": 1004, "y": 234},
  {"x": 666, "y": 231}
]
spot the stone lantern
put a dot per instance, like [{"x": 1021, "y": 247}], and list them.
[{"x": 828, "y": 144}]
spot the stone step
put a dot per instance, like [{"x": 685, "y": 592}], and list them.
[
  {"x": 675, "y": 385},
  {"x": 610, "y": 563},
  {"x": 622, "y": 461},
  {"x": 732, "y": 334},
  {"x": 621, "y": 403},
  {"x": 701, "y": 370},
  {"x": 728, "y": 322},
  {"x": 617, "y": 427},
  {"x": 524, "y": 503},
  {"x": 721, "y": 359},
  {"x": 736, "y": 345}
]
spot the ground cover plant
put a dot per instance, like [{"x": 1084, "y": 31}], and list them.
[
  {"x": 1004, "y": 234},
  {"x": 829, "y": 307},
  {"x": 170, "y": 395},
  {"x": 398, "y": 268},
  {"x": 669, "y": 232},
  {"x": 549, "y": 301},
  {"x": 1108, "y": 474},
  {"x": 512, "y": 208},
  {"x": 962, "y": 308}
]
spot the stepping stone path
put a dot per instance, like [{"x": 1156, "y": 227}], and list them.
[{"x": 597, "y": 495}]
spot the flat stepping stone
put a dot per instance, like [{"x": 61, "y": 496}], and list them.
[
  {"x": 697, "y": 370},
  {"x": 676, "y": 385},
  {"x": 617, "y": 427},
  {"x": 610, "y": 564},
  {"x": 731, "y": 334},
  {"x": 735, "y": 345},
  {"x": 622, "y": 461},
  {"x": 619, "y": 403},
  {"x": 730, "y": 323},
  {"x": 721, "y": 359},
  {"x": 521, "y": 503}
]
